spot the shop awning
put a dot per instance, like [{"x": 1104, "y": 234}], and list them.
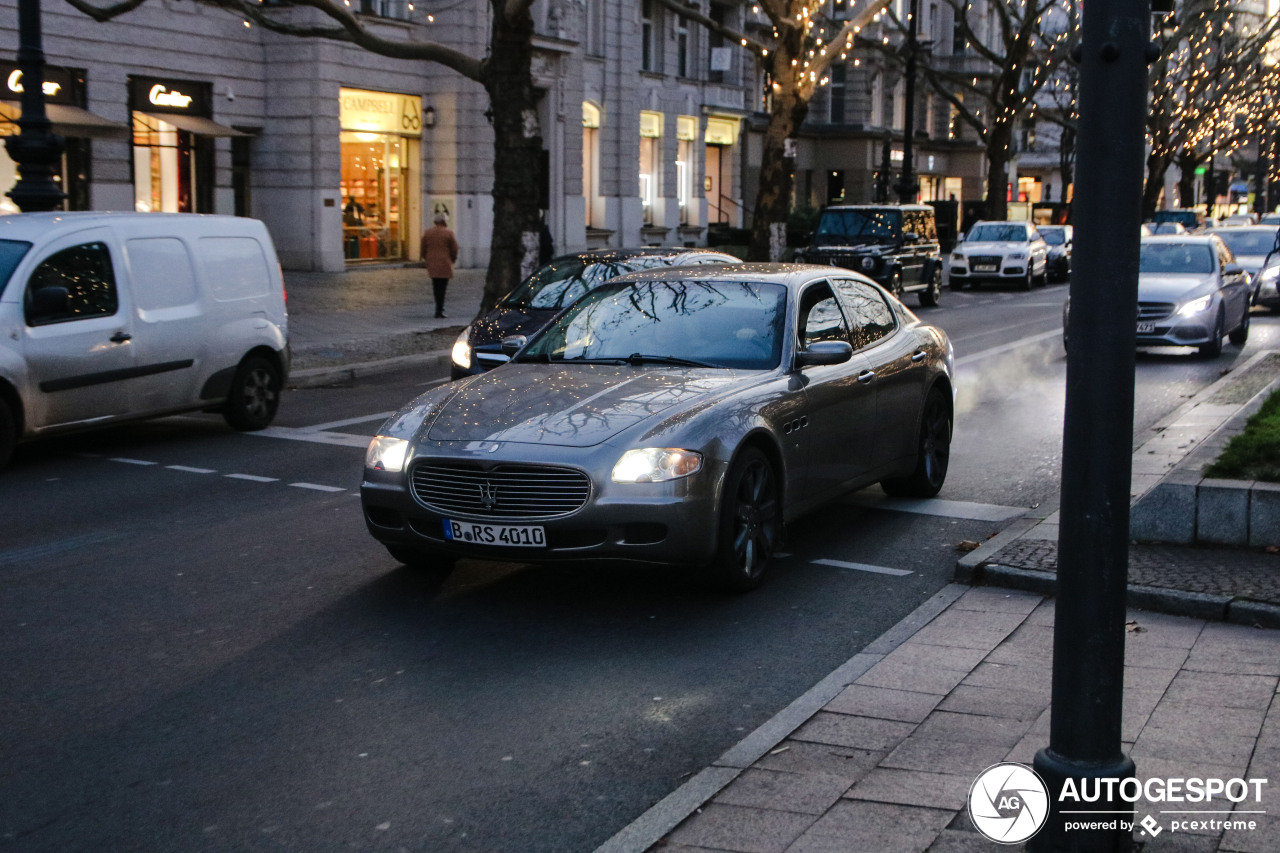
[
  {"x": 72, "y": 121},
  {"x": 197, "y": 124}
]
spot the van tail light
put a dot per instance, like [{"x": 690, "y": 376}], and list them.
[{"x": 283, "y": 289}]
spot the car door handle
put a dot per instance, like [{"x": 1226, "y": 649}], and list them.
[
  {"x": 918, "y": 356},
  {"x": 120, "y": 337},
  {"x": 866, "y": 376}
]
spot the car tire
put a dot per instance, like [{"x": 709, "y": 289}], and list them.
[
  {"x": 930, "y": 296},
  {"x": 749, "y": 525},
  {"x": 1213, "y": 348},
  {"x": 254, "y": 396},
  {"x": 895, "y": 283},
  {"x": 1030, "y": 281},
  {"x": 8, "y": 432},
  {"x": 422, "y": 559},
  {"x": 1241, "y": 334},
  {"x": 933, "y": 452}
]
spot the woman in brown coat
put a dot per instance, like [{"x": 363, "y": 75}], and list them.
[{"x": 440, "y": 251}]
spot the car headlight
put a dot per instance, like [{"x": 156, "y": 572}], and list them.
[
  {"x": 956, "y": 256},
  {"x": 1268, "y": 276},
  {"x": 386, "y": 453},
  {"x": 462, "y": 349},
  {"x": 1017, "y": 256},
  {"x": 1195, "y": 306},
  {"x": 655, "y": 465},
  {"x": 868, "y": 263}
]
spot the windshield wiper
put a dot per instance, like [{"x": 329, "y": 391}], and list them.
[{"x": 636, "y": 359}]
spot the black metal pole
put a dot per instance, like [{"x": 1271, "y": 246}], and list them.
[
  {"x": 36, "y": 150},
  {"x": 908, "y": 187},
  {"x": 1093, "y": 544},
  {"x": 1260, "y": 175}
]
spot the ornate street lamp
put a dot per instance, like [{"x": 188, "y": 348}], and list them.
[{"x": 36, "y": 150}]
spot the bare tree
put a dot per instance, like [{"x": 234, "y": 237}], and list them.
[
  {"x": 505, "y": 73},
  {"x": 1207, "y": 95},
  {"x": 1004, "y": 55},
  {"x": 794, "y": 50}
]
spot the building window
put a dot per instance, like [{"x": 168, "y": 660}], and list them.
[
  {"x": 900, "y": 103},
  {"x": 397, "y": 9},
  {"x": 591, "y": 162},
  {"x": 721, "y": 53},
  {"x": 650, "y": 174},
  {"x": 877, "y": 99},
  {"x": 836, "y": 93},
  {"x": 840, "y": 9},
  {"x": 682, "y": 47},
  {"x": 595, "y": 29},
  {"x": 648, "y": 37}
]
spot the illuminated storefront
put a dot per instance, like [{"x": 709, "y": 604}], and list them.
[
  {"x": 380, "y": 138},
  {"x": 64, "y": 91},
  {"x": 173, "y": 145}
]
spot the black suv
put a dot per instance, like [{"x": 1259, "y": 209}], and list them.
[{"x": 896, "y": 244}]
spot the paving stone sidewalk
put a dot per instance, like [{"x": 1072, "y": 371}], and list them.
[{"x": 886, "y": 763}]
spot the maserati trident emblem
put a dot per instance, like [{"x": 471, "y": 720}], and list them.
[{"x": 488, "y": 495}]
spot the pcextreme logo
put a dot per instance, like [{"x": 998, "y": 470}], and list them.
[{"x": 1008, "y": 803}]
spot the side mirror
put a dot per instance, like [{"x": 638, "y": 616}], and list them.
[
  {"x": 824, "y": 352},
  {"x": 513, "y": 344},
  {"x": 1233, "y": 269},
  {"x": 50, "y": 301}
]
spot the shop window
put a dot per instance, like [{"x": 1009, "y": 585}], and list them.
[
  {"x": 166, "y": 166},
  {"x": 591, "y": 162},
  {"x": 650, "y": 143},
  {"x": 372, "y": 190}
]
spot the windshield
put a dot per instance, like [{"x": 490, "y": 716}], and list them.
[
  {"x": 838, "y": 227},
  {"x": 1054, "y": 236},
  {"x": 11, "y": 252},
  {"x": 565, "y": 279},
  {"x": 1248, "y": 242},
  {"x": 1178, "y": 258},
  {"x": 712, "y": 323},
  {"x": 1186, "y": 218},
  {"x": 998, "y": 232}
]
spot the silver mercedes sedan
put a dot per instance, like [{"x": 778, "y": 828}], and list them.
[{"x": 677, "y": 416}]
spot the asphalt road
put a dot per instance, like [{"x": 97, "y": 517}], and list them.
[{"x": 204, "y": 650}]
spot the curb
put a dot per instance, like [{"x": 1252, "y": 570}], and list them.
[
  {"x": 650, "y": 828},
  {"x": 1175, "y": 602},
  {"x": 314, "y": 377}
]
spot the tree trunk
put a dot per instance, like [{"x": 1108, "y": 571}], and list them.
[
  {"x": 1187, "y": 162},
  {"x": 1157, "y": 166},
  {"x": 517, "y": 154},
  {"x": 773, "y": 196},
  {"x": 998, "y": 140}
]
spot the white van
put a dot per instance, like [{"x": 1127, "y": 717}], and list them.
[{"x": 106, "y": 317}]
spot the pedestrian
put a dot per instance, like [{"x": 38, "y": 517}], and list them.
[{"x": 440, "y": 251}]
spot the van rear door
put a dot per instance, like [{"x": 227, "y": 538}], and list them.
[{"x": 77, "y": 331}]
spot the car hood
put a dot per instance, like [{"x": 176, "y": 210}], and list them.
[
  {"x": 570, "y": 406},
  {"x": 997, "y": 248},
  {"x": 851, "y": 247},
  {"x": 1158, "y": 287},
  {"x": 1250, "y": 263},
  {"x": 503, "y": 322}
]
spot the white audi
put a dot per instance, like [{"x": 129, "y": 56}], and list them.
[{"x": 1001, "y": 252}]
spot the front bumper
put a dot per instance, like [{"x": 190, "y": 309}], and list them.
[{"x": 673, "y": 523}]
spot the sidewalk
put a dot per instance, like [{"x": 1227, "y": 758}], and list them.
[{"x": 880, "y": 756}]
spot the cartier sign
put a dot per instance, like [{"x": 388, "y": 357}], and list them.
[
  {"x": 58, "y": 83},
  {"x": 155, "y": 95}
]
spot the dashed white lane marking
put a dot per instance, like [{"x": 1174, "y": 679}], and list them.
[
  {"x": 380, "y": 416},
  {"x": 862, "y": 567},
  {"x": 253, "y": 478},
  {"x": 937, "y": 506},
  {"x": 191, "y": 470},
  {"x": 132, "y": 461},
  {"x": 340, "y": 439},
  {"x": 1012, "y": 345},
  {"x": 317, "y": 487}
]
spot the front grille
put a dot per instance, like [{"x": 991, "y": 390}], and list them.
[
  {"x": 503, "y": 491},
  {"x": 988, "y": 260},
  {"x": 1154, "y": 310}
]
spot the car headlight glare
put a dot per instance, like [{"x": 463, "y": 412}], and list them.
[
  {"x": 1017, "y": 256},
  {"x": 656, "y": 465},
  {"x": 462, "y": 350},
  {"x": 386, "y": 453},
  {"x": 1195, "y": 306},
  {"x": 1268, "y": 275}
]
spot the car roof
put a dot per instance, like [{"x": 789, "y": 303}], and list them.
[
  {"x": 1244, "y": 229},
  {"x": 594, "y": 256},
  {"x": 1189, "y": 237},
  {"x": 787, "y": 274},
  {"x": 36, "y": 226}
]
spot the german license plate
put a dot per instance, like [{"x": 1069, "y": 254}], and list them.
[
  {"x": 506, "y": 535},
  {"x": 984, "y": 268},
  {"x": 1146, "y": 328}
]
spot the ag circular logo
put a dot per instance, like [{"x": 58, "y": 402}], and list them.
[{"x": 1008, "y": 803}]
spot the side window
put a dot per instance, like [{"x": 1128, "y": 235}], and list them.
[
  {"x": 930, "y": 226},
  {"x": 820, "y": 317},
  {"x": 73, "y": 284},
  {"x": 162, "y": 273},
  {"x": 869, "y": 315}
]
